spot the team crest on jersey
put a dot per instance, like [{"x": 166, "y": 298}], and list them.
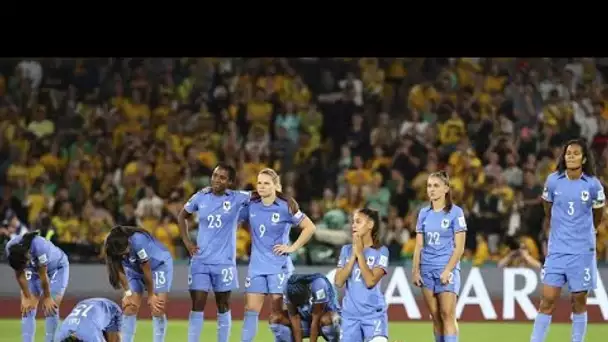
[
  {"x": 275, "y": 217},
  {"x": 132, "y": 260},
  {"x": 226, "y": 205},
  {"x": 584, "y": 195},
  {"x": 370, "y": 260},
  {"x": 445, "y": 223}
]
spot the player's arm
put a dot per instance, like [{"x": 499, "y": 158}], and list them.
[
  {"x": 318, "y": 309},
  {"x": 45, "y": 283},
  {"x": 112, "y": 332},
  {"x": 298, "y": 218},
  {"x": 41, "y": 254},
  {"x": 547, "y": 203},
  {"x": 419, "y": 244},
  {"x": 599, "y": 202},
  {"x": 460, "y": 228},
  {"x": 296, "y": 322},
  {"x": 345, "y": 267},
  {"x": 371, "y": 277},
  {"x": 23, "y": 285}
]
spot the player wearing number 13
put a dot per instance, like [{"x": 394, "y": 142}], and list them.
[
  {"x": 213, "y": 262},
  {"x": 573, "y": 201},
  {"x": 136, "y": 262},
  {"x": 441, "y": 232},
  {"x": 92, "y": 320},
  {"x": 42, "y": 271}
]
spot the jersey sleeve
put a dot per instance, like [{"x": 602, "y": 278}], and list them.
[
  {"x": 139, "y": 243},
  {"x": 243, "y": 214},
  {"x": 460, "y": 223},
  {"x": 419, "y": 221},
  {"x": 344, "y": 255},
  {"x": 383, "y": 259},
  {"x": 597, "y": 195},
  {"x": 297, "y": 218},
  {"x": 192, "y": 204},
  {"x": 40, "y": 251},
  {"x": 243, "y": 197},
  {"x": 116, "y": 321},
  {"x": 319, "y": 292},
  {"x": 549, "y": 189}
]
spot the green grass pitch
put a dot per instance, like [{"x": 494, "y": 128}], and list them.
[{"x": 10, "y": 331}]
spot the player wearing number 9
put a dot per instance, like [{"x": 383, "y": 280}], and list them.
[
  {"x": 213, "y": 262},
  {"x": 92, "y": 320},
  {"x": 42, "y": 271},
  {"x": 270, "y": 218},
  {"x": 441, "y": 233},
  {"x": 573, "y": 202},
  {"x": 136, "y": 261},
  {"x": 361, "y": 267}
]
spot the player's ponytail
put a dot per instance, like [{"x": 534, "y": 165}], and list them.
[
  {"x": 374, "y": 216},
  {"x": 115, "y": 246},
  {"x": 18, "y": 257}
]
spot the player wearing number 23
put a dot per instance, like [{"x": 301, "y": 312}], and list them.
[
  {"x": 361, "y": 267},
  {"x": 573, "y": 202},
  {"x": 136, "y": 262},
  {"x": 92, "y": 320},
  {"x": 42, "y": 271}
]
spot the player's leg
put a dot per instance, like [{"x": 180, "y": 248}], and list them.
[
  {"x": 280, "y": 325},
  {"x": 330, "y": 326},
  {"x": 112, "y": 336},
  {"x": 375, "y": 328},
  {"x": 553, "y": 277},
  {"x": 582, "y": 278},
  {"x": 58, "y": 284},
  {"x": 276, "y": 285},
  {"x": 162, "y": 279},
  {"x": 130, "y": 312},
  {"x": 199, "y": 284},
  {"x": 256, "y": 289},
  {"x": 428, "y": 294},
  {"x": 447, "y": 295},
  {"x": 224, "y": 280},
  {"x": 350, "y": 330},
  {"x": 28, "y": 320}
]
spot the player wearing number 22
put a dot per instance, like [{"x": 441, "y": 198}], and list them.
[
  {"x": 213, "y": 262},
  {"x": 270, "y": 219},
  {"x": 440, "y": 239},
  {"x": 136, "y": 262},
  {"x": 42, "y": 271},
  {"x": 361, "y": 267},
  {"x": 92, "y": 320},
  {"x": 573, "y": 201}
]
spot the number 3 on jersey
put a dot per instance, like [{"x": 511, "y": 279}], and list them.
[{"x": 570, "y": 208}]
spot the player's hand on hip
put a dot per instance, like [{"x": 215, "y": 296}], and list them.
[
  {"x": 49, "y": 307},
  {"x": 191, "y": 247},
  {"x": 282, "y": 249},
  {"x": 417, "y": 279}
]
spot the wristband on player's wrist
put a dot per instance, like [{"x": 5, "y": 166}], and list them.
[{"x": 128, "y": 293}]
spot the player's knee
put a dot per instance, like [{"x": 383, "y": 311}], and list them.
[
  {"x": 199, "y": 300},
  {"x": 446, "y": 315},
  {"x": 222, "y": 302},
  {"x": 277, "y": 318},
  {"x": 435, "y": 316},
  {"x": 131, "y": 310},
  {"x": 327, "y": 319},
  {"x": 578, "y": 301},
  {"x": 547, "y": 305}
]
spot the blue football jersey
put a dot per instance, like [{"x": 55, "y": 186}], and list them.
[
  {"x": 144, "y": 248},
  {"x": 438, "y": 229},
  {"x": 90, "y": 318}
]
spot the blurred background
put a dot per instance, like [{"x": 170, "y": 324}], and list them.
[{"x": 89, "y": 143}]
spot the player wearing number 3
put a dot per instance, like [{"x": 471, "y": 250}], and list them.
[
  {"x": 92, "y": 320},
  {"x": 441, "y": 231},
  {"x": 361, "y": 267},
  {"x": 42, "y": 271},
  {"x": 213, "y": 263},
  {"x": 574, "y": 199},
  {"x": 270, "y": 218},
  {"x": 136, "y": 262}
]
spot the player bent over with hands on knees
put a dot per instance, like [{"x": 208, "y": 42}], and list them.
[{"x": 137, "y": 261}]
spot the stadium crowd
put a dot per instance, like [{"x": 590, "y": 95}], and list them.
[{"x": 89, "y": 143}]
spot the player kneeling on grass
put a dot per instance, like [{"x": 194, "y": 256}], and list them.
[
  {"x": 312, "y": 310},
  {"x": 92, "y": 320}
]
